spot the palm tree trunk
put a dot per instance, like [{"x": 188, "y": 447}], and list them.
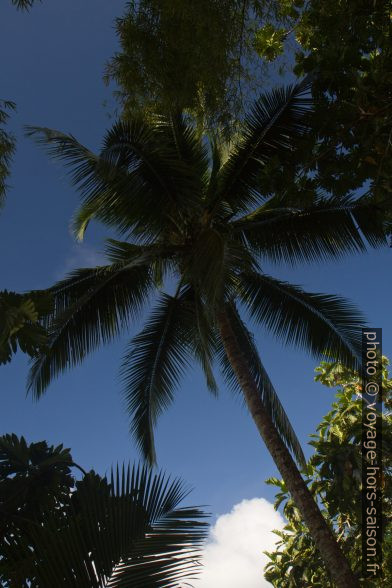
[{"x": 323, "y": 537}]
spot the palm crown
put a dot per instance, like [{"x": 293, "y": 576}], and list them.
[{"x": 202, "y": 219}]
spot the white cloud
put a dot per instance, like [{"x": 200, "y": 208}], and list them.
[
  {"x": 234, "y": 557},
  {"x": 80, "y": 255}
]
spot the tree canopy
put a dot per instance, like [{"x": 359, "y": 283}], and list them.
[
  {"x": 198, "y": 219},
  {"x": 346, "y": 47},
  {"x": 21, "y": 323},
  {"x": 334, "y": 477},
  {"x": 208, "y": 223},
  {"x": 127, "y": 530},
  {"x": 195, "y": 56},
  {"x": 211, "y": 58}
]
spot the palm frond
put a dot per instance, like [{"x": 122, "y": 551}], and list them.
[
  {"x": 91, "y": 307},
  {"x": 7, "y": 147},
  {"x": 208, "y": 263},
  {"x": 126, "y": 254},
  {"x": 108, "y": 192},
  {"x": 160, "y": 149},
  {"x": 267, "y": 392},
  {"x": 213, "y": 264},
  {"x": 129, "y": 533},
  {"x": 21, "y": 318},
  {"x": 152, "y": 368},
  {"x": 203, "y": 340},
  {"x": 322, "y": 324},
  {"x": 171, "y": 551},
  {"x": 24, "y": 4},
  {"x": 133, "y": 184},
  {"x": 274, "y": 126},
  {"x": 322, "y": 229},
  {"x": 183, "y": 140},
  {"x": 199, "y": 330}
]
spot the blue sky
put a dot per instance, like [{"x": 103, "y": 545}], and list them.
[{"x": 52, "y": 64}]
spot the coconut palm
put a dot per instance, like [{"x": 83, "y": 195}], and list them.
[
  {"x": 92, "y": 533},
  {"x": 198, "y": 219}
]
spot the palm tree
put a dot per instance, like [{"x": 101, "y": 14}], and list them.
[
  {"x": 92, "y": 534},
  {"x": 202, "y": 218}
]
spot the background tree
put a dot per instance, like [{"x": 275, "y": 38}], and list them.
[
  {"x": 20, "y": 314},
  {"x": 204, "y": 226},
  {"x": 196, "y": 56},
  {"x": 33, "y": 478},
  {"x": 24, "y": 4},
  {"x": 21, "y": 323},
  {"x": 213, "y": 58},
  {"x": 56, "y": 531},
  {"x": 334, "y": 477},
  {"x": 7, "y": 146},
  {"x": 346, "y": 48}
]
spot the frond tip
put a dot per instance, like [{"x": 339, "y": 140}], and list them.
[
  {"x": 320, "y": 323},
  {"x": 152, "y": 367}
]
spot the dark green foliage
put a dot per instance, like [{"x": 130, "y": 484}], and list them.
[
  {"x": 322, "y": 324},
  {"x": 21, "y": 317},
  {"x": 24, "y": 4},
  {"x": 351, "y": 55},
  {"x": 210, "y": 58},
  {"x": 274, "y": 126},
  {"x": 334, "y": 476},
  {"x": 154, "y": 365},
  {"x": 7, "y": 146},
  {"x": 188, "y": 55},
  {"x": 128, "y": 531},
  {"x": 92, "y": 306},
  {"x": 346, "y": 48},
  {"x": 280, "y": 227},
  {"x": 33, "y": 478},
  {"x": 204, "y": 226}
]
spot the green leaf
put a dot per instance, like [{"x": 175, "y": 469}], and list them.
[
  {"x": 276, "y": 123},
  {"x": 130, "y": 532},
  {"x": 152, "y": 367},
  {"x": 325, "y": 228},
  {"x": 322, "y": 324},
  {"x": 137, "y": 183},
  {"x": 92, "y": 307},
  {"x": 21, "y": 323}
]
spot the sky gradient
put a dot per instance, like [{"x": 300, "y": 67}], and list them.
[{"x": 52, "y": 66}]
